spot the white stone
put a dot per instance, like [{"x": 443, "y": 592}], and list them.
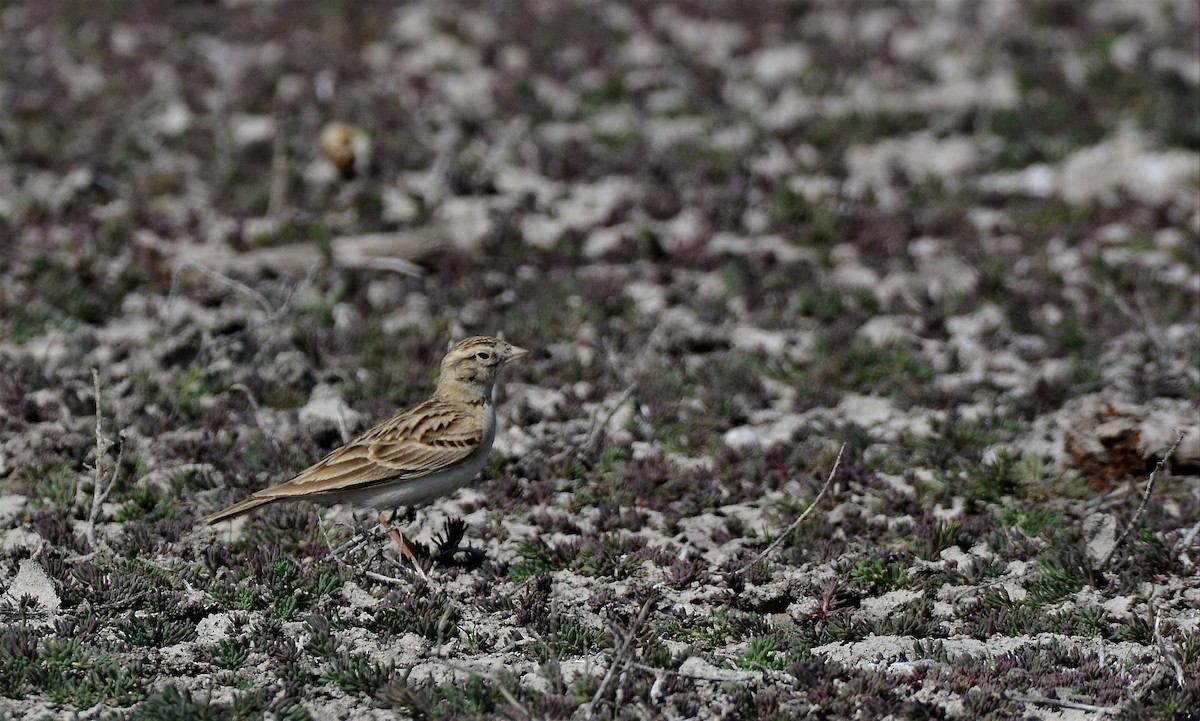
[
  {"x": 31, "y": 580},
  {"x": 251, "y": 129},
  {"x": 741, "y": 437},
  {"x": 327, "y": 404}
]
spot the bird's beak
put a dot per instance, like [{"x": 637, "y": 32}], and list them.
[{"x": 516, "y": 353}]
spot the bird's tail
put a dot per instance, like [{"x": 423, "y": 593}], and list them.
[{"x": 237, "y": 509}]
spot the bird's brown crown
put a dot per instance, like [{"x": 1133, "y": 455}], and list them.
[{"x": 473, "y": 365}]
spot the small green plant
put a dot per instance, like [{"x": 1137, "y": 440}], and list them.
[
  {"x": 539, "y": 557},
  {"x": 934, "y": 539},
  {"x": 762, "y": 654},
  {"x": 294, "y": 673},
  {"x": 156, "y": 631},
  {"x": 879, "y": 576},
  {"x": 145, "y": 505},
  {"x": 356, "y": 673},
  {"x": 320, "y": 641},
  {"x": 1061, "y": 574},
  {"x": 722, "y": 628},
  {"x": 194, "y": 385},
  {"x": 430, "y": 615},
  {"x": 933, "y": 649},
  {"x": 230, "y": 653},
  {"x": 68, "y": 673},
  {"x": 173, "y": 704},
  {"x": 566, "y": 639}
]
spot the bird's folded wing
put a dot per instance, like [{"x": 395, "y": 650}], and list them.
[{"x": 420, "y": 441}]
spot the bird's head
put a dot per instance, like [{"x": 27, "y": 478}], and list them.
[{"x": 476, "y": 363}]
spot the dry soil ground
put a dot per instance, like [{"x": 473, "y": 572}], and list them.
[{"x": 959, "y": 238}]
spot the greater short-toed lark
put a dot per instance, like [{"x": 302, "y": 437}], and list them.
[{"x": 423, "y": 452}]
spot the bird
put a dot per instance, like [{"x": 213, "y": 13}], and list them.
[{"x": 423, "y": 452}]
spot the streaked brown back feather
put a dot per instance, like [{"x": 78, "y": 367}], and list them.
[{"x": 416, "y": 442}]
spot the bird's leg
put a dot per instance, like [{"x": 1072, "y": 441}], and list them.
[{"x": 385, "y": 520}]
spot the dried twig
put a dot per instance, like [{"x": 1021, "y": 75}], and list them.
[
  {"x": 1166, "y": 652},
  {"x": 1075, "y": 705},
  {"x": 355, "y": 543},
  {"x": 259, "y": 417},
  {"x": 101, "y": 486},
  {"x": 1137, "y": 515},
  {"x": 223, "y": 280},
  {"x": 1185, "y": 543},
  {"x": 787, "y": 532},
  {"x": 618, "y": 660},
  {"x": 273, "y": 314},
  {"x": 599, "y": 424}
]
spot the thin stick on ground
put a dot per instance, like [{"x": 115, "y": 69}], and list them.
[
  {"x": 101, "y": 486},
  {"x": 1185, "y": 543},
  {"x": 224, "y": 280},
  {"x": 1073, "y": 705},
  {"x": 619, "y": 659},
  {"x": 600, "y": 424},
  {"x": 787, "y": 532},
  {"x": 362, "y": 539},
  {"x": 352, "y": 546},
  {"x": 1141, "y": 509},
  {"x": 1166, "y": 651}
]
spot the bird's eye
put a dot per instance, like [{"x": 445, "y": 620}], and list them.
[{"x": 483, "y": 355}]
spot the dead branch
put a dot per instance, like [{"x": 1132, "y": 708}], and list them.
[
  {"x": 101, "y": 486},
  {"x": 787, "y": 532},
  {"x": 1141, "y": 509},
  {"x": 619, "y": 658}
]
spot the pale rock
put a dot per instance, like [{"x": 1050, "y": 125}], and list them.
[
  {"x": 21, "y": 537},
  {"x": 759, "y": 340},
  {"x": 889, "y": 603},
  {"x": 696, "y": 666},
  {"x": 345, "y": 316},
  {"x": 467, "y": 221},
  {"x": 516, "y": 181},
  {"x": 1100, "y": 531},
  {"x": 854, "y": 276},
  {"x": 31, "y": 580},
  {"x": 246, "y": 129},
  {"x": 883, "y": 331},
  {"x": 399, "y": 206},
  {"x": 414, "y": 312},
  {"x": 741, "y": 437},
  {"x": 12, "y": 504},
  {"x": 781, "y": 63},
  {"x": 920, "y": 156},
  {"x": 1127, "y": 161},
  {"x": 724, "y": 242},
  {"x": 542, "y": 231},
  {"x": 326, "y": 405},
  {"x": 604, "y": 240},
  {"x": 213, "y": 628},
  {"x": 173, "y": 120},
  {"x": 649, "y": 298},
  {"x": 357, "y": 596}
]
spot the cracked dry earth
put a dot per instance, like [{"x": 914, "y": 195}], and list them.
[{"x": 958, "y": 239}]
